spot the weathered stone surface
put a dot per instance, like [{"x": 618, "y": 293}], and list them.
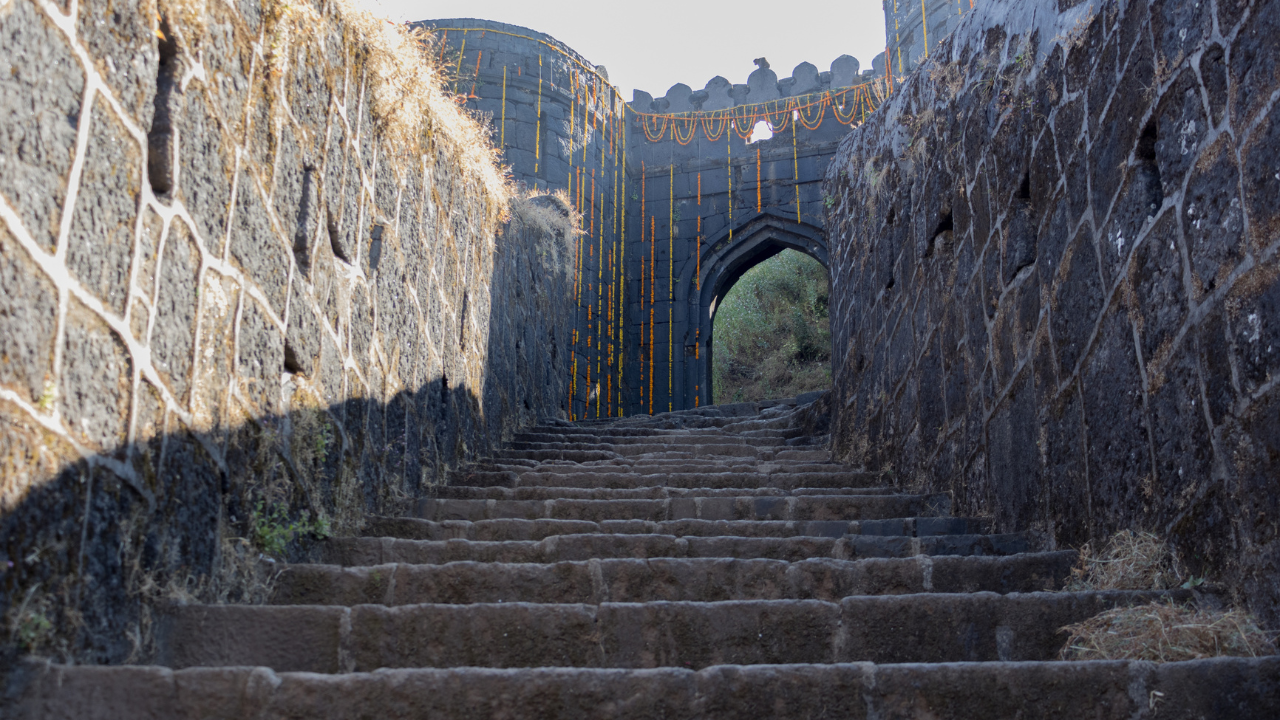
[
  {"x": 174, "y": 331},
  {"x": 41, "y": 91},
  {"x": 28, "y": 321},
  {"x": 261, "y": 253},
  {"x": 205, "y": 164},
  {"x": 95, "y": 384},
  {"x": 120, "y": 36},
  {"x": 100, "y": 246},
  {"x": 1149, "y": 287},
  {"x": 853, "y": 691},
  {"x": 260, "y": 358}
]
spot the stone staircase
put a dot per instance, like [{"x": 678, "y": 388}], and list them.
[{"x": 707, "y": 563}]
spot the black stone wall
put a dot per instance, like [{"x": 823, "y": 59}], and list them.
[
  {"x": 238, "y": 301},
  {"x": 559, "y": 125},
  {"x": 1055, "y": 278}
]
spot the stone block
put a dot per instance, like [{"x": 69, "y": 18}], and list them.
[
  {"x": 120, "y": 37},
  {"x": 42, "y": 87},
  {"x": 1077, "y": 300},
  {"x": 28, "y": 322},
  {"x": 1213, "y": 216},
  {"x": 262, "y": 255},
  {"x": 302, "y": 338},
  {"x": 205, "y": 168},
  {"x": 95, "y": 386},
  {"x": 100, "y": 245},
  {"x": 1261, "y": 182},
  {"x": 173, "y": 336},
  {"x": 260, "y": 359}
]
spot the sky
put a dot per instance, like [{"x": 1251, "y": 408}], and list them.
[{"x": 653, "y": 44}]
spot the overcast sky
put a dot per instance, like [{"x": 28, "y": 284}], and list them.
[{"x": 653, "y": 44}]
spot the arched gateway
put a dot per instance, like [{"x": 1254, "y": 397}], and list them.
[
  {"x": 725, "y": 260},
  {"x": 676, "y": 202}
]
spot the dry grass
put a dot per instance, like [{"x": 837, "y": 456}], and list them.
[
  {"x": 1165, "y": 632},
  {"x": 1157, "y": 631},
  {"x": 1130, "y": 561},
  {"x": 410, "y": 99},
  {"x": 415, "y": 113},
  {"x": 555, "y": 221}
]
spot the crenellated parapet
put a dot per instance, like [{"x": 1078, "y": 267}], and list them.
[{"x": 762, "y": 86}]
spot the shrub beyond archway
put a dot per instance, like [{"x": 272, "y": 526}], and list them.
[{"x": 772, "y": 337}]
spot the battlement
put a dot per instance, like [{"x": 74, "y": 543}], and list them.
[{"x": 762, "y": 85}]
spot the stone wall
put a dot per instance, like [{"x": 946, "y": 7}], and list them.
[
  {"x": 912, "y": 29},
  {"x": 242, "y": 301},
  {"x": 559, "y": 126},
  {"x": 1056, "y": 290}
]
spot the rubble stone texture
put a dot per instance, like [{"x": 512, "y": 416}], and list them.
[
  {"x": 1055, "y": 278},
  {"x": 223, "y": 290}
]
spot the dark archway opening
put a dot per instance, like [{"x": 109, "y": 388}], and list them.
[
  {"x": 761, "y": 241},
  {"x": 771, "y": 332}
]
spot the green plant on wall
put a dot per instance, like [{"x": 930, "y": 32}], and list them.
[{"x": 273, "y": 531}]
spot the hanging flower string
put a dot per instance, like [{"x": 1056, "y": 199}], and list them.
[{"x": 849, "y": 105}]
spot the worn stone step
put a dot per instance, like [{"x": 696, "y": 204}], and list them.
[
  {"x": 804, "y": 507},
  {"x": 587, "y": 546},
  {"x": 637, "y": 431},
  {"x": 960, "y": 530},
  {"x": 549, "y": 450},
  {"x": 783, "y": 480},
  {"x": 659, "y": 466},
  {"x": 1235, "y": 688},
  {"x": 926, "y": 627},
  {"x": 521, "y": 529},
  {"x": 669, "y": 579},
  {"x": 535, "y": 441},
  {"x": 570, "y": 455},
  {"x": 656, "y": 449},
  {"x": 469, "y": 492}
]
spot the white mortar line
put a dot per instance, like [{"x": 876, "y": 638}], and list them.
[
  {"x": 140, "y": 355},
  {"x": 77, "y": 170}
]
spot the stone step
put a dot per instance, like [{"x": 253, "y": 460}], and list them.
[
  {"x": 659, "y": 449},
  {"x": 1236, "y": 688},
  {"x": 587, "y": 546},
  {"x": 651, "y": 466},
  {"x": 666, "y": 579},
  {"x": 534, "y": 441},
  {"x": 594, "y": 451},
  {"x": 932, "y": 627},
  {"x": 470, "y": 492},
  {"x": 522, "y": 529},
  {"x": 804, "y": 507},
  {"x": 781, "y": 480}
]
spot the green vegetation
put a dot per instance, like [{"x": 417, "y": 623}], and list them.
[
  {"x": 272, "y": 530},
  {"x": 772, "y": 336}
]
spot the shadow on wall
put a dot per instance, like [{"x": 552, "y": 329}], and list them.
[
  {"x": 185, "y": 515},
  {"x": 245, "y": 298}
]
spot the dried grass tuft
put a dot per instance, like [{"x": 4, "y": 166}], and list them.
[
  {"x": 555, "y": 221},
  {"x": 411, "y": 103},
  {"x": 1130, "y": 561},
  {"x": 415, "y": 113},
  {"x": 1165, "y": 632}
]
